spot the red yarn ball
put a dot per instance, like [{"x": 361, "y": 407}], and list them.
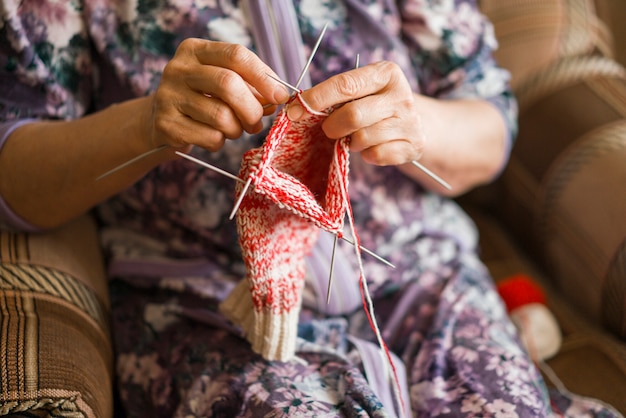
[{"x": 520, "y": 290}]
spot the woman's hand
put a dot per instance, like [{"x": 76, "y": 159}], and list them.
[
  {"x": 462, "y": 141},
  {"x": 211, "y": 91},
  {"x": 376, "y": 107}
]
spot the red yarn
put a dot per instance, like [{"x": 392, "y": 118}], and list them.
[
  {"x": 297, "y": 178},
  {"x": 300, "y": 184},
  {"x": 520, "y": 290}
]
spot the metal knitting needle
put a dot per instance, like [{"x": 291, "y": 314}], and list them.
[
  {"x": 225, "y": 173},
  {"x": 247, "y": 185},
  {"x": 209, "y": 166},
  {"x": 432, "y": 175},
  {"x": 373, "y": 254},
  {"x": 131, "y": 161},
  {"x": 295, "y": 88},
  {"x": 313, "y": 52},
  {"x": 182, "y": 154},
  {"x": 240, "y": 199},
  {"x": 229, "y": 175},
  {"x": 332, "y": 257},
  {"x": 332, "y": 267},
  {"x": 284, "y": 83}
]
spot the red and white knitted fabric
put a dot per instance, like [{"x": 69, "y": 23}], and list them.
[{"x": 300, "y": 179}]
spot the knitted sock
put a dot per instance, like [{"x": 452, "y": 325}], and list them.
[{"x": 297, "y": 177}]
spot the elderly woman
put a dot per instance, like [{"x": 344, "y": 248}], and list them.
[{"x": 90, "y": 85}]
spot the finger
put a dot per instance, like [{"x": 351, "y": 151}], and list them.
[
  {"x": 183, "y": 131},
  {"x": 268, "y": 108},
  {"x": 347, "y": 86},
  {"x": 229, "y": 72},
  {"x": 387, "y": 132},
  {"x": 214, "y": 113},
  {"x": 245, "y": 63},
  {"x": 378, "y": 134},
  {"x": 231, "y": 89},
  {"x": 389, "y": 153},
  {"x": 356, "y": 115}
]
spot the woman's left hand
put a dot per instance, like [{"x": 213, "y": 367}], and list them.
[{"x": 375, "y": 106}]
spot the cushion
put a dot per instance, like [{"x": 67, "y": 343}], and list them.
[
  {"x": 55, "y": 350},
  {"x": 613, "y": 12},
  {"x": 581, "y": 218},
  {"x": 536, "y": 33},
  {"x": 563, "y": 191}
]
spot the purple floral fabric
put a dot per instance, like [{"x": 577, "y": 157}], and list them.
[{"x": 173, "y": 254}]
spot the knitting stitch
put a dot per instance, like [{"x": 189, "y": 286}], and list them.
[{"x": 299, "y": 177}]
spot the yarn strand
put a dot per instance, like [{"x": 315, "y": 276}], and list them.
[{"x": 368, "y": 304}]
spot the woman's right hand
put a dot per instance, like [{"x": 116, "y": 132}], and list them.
[
  {"x": 34, "y": 174},
  {"x": 211, "y": 91}
]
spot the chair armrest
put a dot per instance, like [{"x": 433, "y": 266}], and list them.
[{"x": 54, "y": 311}]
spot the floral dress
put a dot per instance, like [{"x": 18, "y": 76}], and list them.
[{"x": 173, "y": 253}]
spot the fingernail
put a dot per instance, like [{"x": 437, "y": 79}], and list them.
[
  {"x": 281, "y": 94},
  {"x": 295, "y": 112}
]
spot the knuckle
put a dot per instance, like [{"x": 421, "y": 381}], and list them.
[
  {"x": 220, "y": 114},
  {"x": 388, "y": 67},
  {"x": 373, "y": 155},
  {"x": 237, "y": 53},
  {"x": 160, "y": 127},
  {"x": 252, "y": 115},
  {"x": 391, "y": 73},
  {"x": 229, "y": 81},
  {"x": 358, "y": 141},
  {"x": 352, "y": 116},
  {"x": 233, "y": 133},
  {"x": 404, "y": 107},
  {"x": 348, "y": 85},
  {"x": 214, "y": 141},
  {"x": 170, "y": 68},
  {"x": 188, "y": 46},
  {"x": 187, "y": 43}
]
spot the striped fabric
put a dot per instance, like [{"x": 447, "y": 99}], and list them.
[
  {"x": 43, "y": 280},
  {"x": 534, "y": 34},
  {"x": 563, "y": 191},
  {"x": 595, "y": 71},
  {"x": 55, "y": 349},
  {"x": 581, "y": 218}
]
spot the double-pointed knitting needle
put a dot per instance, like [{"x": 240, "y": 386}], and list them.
[
  {"x": 365, "y": 250},
  {"x": 240, "y": 198},
  {"x": 209, "y": 166},
  {"x": 284, "y": 83},
  {"x": 232, "y": 176},
  {"x": 131, "y": 161},
  {"x": 332, "y": 256},
  {"x": 432, "y": 175},
  {"x": 302, "y": 74},
  {"x": 332, "y": 261},
  {"x": 224, "y": 173},
  {"x": 181, "y": 154},
  {"x": 332, "y": 267},
  {"x": 313, "y": 52}
]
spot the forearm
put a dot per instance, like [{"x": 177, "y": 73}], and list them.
[
  {"x": 48, "y": 169},
  {"x": 464, "y": 143}
]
